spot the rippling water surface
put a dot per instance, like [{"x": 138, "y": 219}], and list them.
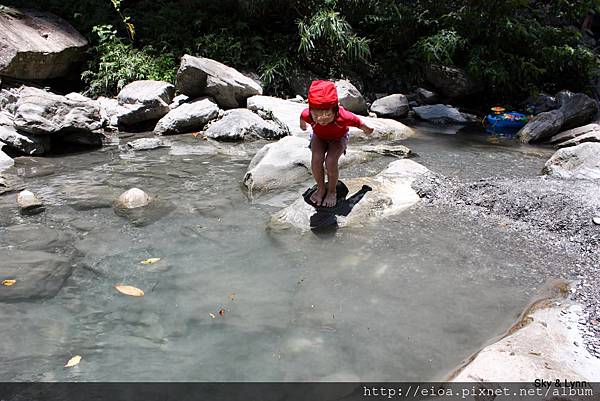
[{"x": 403, "y": 299}]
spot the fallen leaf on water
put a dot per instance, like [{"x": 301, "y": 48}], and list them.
[
  {"x": 232, "y": 296},
  {"x": 222, "y": 312},
  {"x": 8, "y": 283},
  {"x": 212, "y": 315},
  {"x": 73, "y": 361},
  {"x": 149, "y": 261},
  {"x": 129, "y": 290},
  {"x": 535, "y": 353}
]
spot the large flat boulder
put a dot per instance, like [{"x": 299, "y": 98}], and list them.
[
  {"x": 199, "y": 76},
  {"x": 288, "y": 161},
  {"x": 392, "y": 193},
  {"x": 576, "y": 136},
  {"x": 37, "y": 45},
  {"x": 188, "y": 117},
  {"x": 43, "y": 113},
  {"x": 5, "y": 160},
  {"x": 144, "y": 100},
  {"x": 240, "y": 124},
  {"x": 548, "y": 346},
  {"x": 576, "y": 109},
  {"x": 578, "y": 162}
]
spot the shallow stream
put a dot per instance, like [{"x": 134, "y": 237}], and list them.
[{"x": 404, "y": 299}]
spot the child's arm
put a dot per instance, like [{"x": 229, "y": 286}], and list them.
[
  {"x": 366, "y": 130},
  {"x": 302, "y": 124}
]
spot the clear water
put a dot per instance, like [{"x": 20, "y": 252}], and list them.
[{"x": 406, "y": 299}]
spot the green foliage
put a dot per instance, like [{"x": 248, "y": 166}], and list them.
[
  {"x": 327, "y": 38},
  {"x": 116, "y": 64},
  {"x": 441, "y": 47}
]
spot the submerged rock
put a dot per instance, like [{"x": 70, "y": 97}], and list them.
[
  {"x": 199, "y": 76},
  {"x": 133, "y": 198},
  {"x": 147, "y": 144},
  {"x": 38, "y": 45},
  {"x": 38, "y": 274},
  {"x": 579, "y": 162},
  {"x": 240, "y": 124},
  {"x": 28, "y": 203},
  {"x": 391, "y": 194}
]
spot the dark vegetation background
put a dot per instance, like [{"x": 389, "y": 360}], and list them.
[{"x": 515, "y": 47}]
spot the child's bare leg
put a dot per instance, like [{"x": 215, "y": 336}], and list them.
[
  {"x": 334, "y": 153},
  {"x": 318, "y": 148}
]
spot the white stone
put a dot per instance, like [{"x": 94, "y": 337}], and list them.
[
  {"x": 579, "y": 162},
  {"x": 133, "y": 198}
]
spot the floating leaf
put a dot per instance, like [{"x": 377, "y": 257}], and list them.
[
  {"x": 129, "y": 290},
  {"x": 232, "y": 296},
  {"x": 149, "y": 261},
  {"x": 8, "y": 283},
  {"x": 212, "y": 315},
  {"x": 73, "y": 361},
  {"x": 222, "y": 312}
]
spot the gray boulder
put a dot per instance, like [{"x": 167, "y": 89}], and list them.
[
  {"x": 178, "y": 101},
  {"x": 44, "y": 113},
  {"x": 198, "y": 76},
  {"x": 144, "y": 101},
  {"x": 25, "y": 143},
  {"x": 575, "y": 110},
  {"x": 188, "y": 117},
  {"x": 442, "y": 114},
  {"x": 239, "y": 124},
  {"x": 452, "y": 82},
  {"x": 578, "y": 162},
  {"x": 350, "y": 97},
  {"x": 392, "y": 106},
  {"x": 29, "y": 203},
  {"x": 5, "y": 160},
  {"x": 576, "y": 136},
  {"x": 425, "y": 96},
  {"x": 37, "y": 45},
  {"x": 286, "y": 111}
]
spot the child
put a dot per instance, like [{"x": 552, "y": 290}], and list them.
[{"x": 330, "y": 124}]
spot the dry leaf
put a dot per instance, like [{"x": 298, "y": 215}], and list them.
[
  {"x": 212, "y": 315},
  {"x": 73, "y": 361},
  {"x": 535, "y": 353},
  {"x": 8, "y": 283},
  {"x": 149, "y": 261},
  {"x": 232, "y": 296},
  {"x": 129, "y": 290},
  {"x": 222, "y": 312}
]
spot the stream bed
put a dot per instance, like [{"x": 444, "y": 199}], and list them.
[{"x": 404, "y": 299}]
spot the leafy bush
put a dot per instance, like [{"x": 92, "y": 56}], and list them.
[{"x": 117, "y": 63}]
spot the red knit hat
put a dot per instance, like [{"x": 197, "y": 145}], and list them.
[{"x": 322, "y": 95}]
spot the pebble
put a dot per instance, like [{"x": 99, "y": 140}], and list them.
[{"x": 596, "y": 220}]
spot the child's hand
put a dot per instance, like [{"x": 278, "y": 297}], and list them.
[
  {"x": 302, "y": 125},
  {"x": 366, "y": 130}
]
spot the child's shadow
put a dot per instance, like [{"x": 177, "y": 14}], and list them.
[{"x": 324, "y": 220}]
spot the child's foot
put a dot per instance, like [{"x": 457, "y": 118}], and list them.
[
  {"x": 317, "y": 196},
  {"x": 330, "y": 200}
]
